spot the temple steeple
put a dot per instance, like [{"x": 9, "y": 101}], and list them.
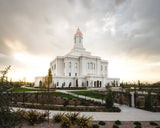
[{"x": 78, "y": 39}]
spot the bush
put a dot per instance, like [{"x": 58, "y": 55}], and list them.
[
  {"x": 115, "y": 126},
  {"x": 101, "y": 123},
  {"x": 34, "y": 117},
  {"x": 20, "y": 115},
  {"x": 95, "y": 126},
  {"x": 58, "y": 117},
  {"x": 153, "y": 123},
  {"x": 157, "y": 127},
  {"x": 84, "y": 122},
  {"x": 66, "y": 102},
  {"x": 66, "y": 123},
  {"x": 73, "y": 117},
  {"x": 114, "y": 109},
  {"x": 137, "y": 123},
  {"x": 117, "y": 122},
  {"x": 138, "y": 126}
]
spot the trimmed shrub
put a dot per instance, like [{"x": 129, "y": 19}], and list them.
[
  {"x": 34, "y": 117},
  {"x": 58, "y": 117},
  {"x": 117, "y": 122},
  {"x": 114, "y": 109},
  {"x": 115, "y": 126},
  {"x": 95, "y": 126},
  {"x": 138, "y": 126},
  {"x": 66, "y": 123},
  {"x": 153, "y": 123},
  {"x": 20, "y": 115},
  {"x": 66, "y": 102},
  {"x": 137, "y": 123},
  {"x": 84, "y": 122},
  {"x": 102, "y": 123},
  {"x": 73, "y": 117}
]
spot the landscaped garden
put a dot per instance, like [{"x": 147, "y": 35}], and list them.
[
  {"x": 48, "y": 99},
  {"x": 36, "y": 119}
]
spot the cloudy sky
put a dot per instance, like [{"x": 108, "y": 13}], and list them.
[{"x": 124, "y": 32}]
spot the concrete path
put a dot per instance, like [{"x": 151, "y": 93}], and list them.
[
  {"x": 126, "y": 114},
  {"x": 131, "y": 115}
]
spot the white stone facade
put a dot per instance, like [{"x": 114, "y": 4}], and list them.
[{"x": 79, "y": 68}]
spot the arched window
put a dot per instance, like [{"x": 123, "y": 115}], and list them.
[
  {"x": 75, "y": 65},
  {"x": 91, "y": 65},
  {"x": 101, "y": 67},
  {"x": 94, "y": 66},
  {"x": 106, "y": 68},
  {"x": 70, "y": 64}
]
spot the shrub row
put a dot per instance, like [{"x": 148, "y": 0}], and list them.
[
  {"x": 32, "y": 117},
  {"x": 70, "y": 119},
  {"x": 62, "y": 108}
]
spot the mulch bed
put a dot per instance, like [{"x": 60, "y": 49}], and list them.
[{"x": 109, "y": 124}]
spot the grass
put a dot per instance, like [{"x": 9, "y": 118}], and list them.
[
  {"x": 60, "y": 94},
  {"x": 92, "y": 94},
  {"x": 19, "y": 89}
]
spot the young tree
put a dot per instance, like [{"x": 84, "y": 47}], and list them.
[
  {"x": 7, "y": 117},
  {"x": 109, "y": 99},
  {"x": 49, "y": 83}
]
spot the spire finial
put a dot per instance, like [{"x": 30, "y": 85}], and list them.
[{"x": 78, "y": 32}]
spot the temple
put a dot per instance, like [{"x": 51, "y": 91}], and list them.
[{"x": 79, "y": 68}]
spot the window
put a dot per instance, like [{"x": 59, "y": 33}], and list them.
[
  {"x": 94, "y": 66},
  {"x": 75, "y": 65},
  {"x": 88, "y": 65},
  {"x": 70, "y": 65},
  {"x": 57, "y": 83},
  {"x": 79, "y": 39},
  {"x": 106, "y": 68},
  {"x": 101, "y": 67},
  {"x": 91, "y": 66},
  {"x": 69, "y": 74},
  {"x": 75, "y": 74},
  {"x": 55, "y": 66}
]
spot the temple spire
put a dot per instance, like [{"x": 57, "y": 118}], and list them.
[
  {"x": 78, "y": 39},
  {"x": 78, "y": 32}
]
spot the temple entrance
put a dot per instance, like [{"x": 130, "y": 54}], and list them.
[
  {"x": 100, "y": 84},
  {"x": 77, "y": 83},
  {"x": 94, "y": 83},
  {"x": 97, "y": 83}
]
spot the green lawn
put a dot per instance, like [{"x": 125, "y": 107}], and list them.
[
  {"x": 22, "y": 89},
  {"x": 92, "y": 94},
  {"x": 60, "y": 94}
]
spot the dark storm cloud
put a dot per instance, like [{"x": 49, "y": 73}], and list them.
[{"x": 41, "y": 25}]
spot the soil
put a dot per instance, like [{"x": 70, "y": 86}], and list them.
[{"x": 109, "y": 124}]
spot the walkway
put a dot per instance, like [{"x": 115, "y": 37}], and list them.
[{"x": 126, "y": 114}]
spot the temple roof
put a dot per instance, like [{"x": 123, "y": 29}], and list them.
[{"x": 78, "y": 32}]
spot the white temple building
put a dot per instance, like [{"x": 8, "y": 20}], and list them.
[{"x": 79, "y": 68}]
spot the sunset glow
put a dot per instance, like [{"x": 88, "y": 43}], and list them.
[{"x": 125, "y": 32}]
